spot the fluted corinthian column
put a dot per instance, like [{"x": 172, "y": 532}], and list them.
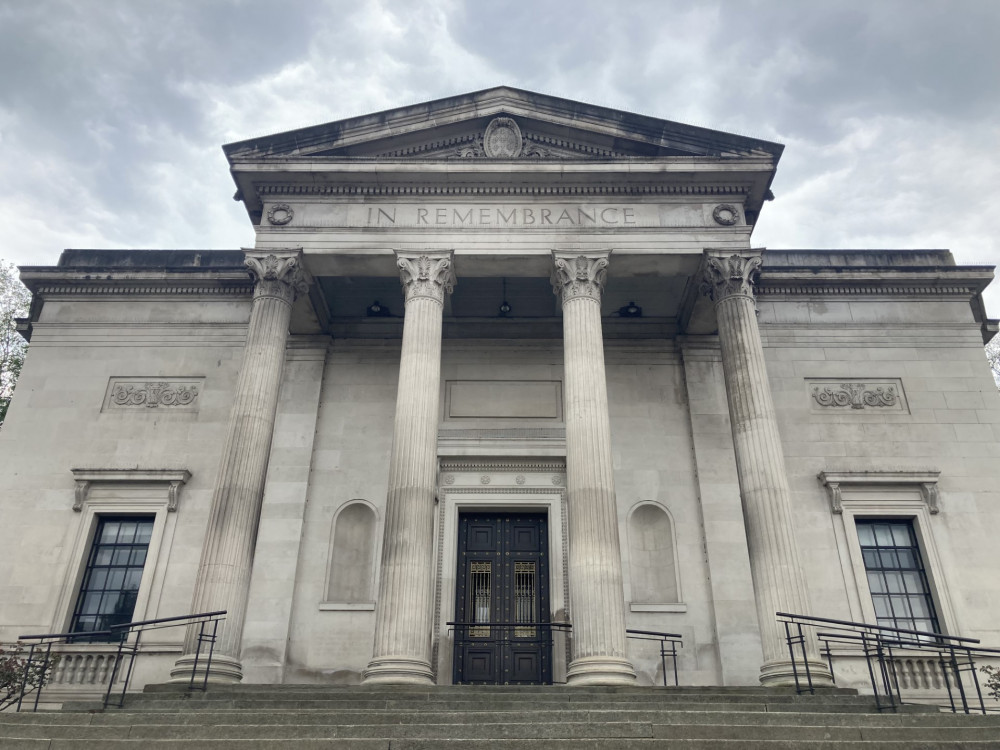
[
  {"x": 223, "y": 580},
  {"x": 760, "y": 463},
  {"x": 595, "y": 562},
  {"x": 403, "y": 617}
]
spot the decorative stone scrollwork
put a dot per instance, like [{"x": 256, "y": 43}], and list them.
[
  {"x": 855, "y": 395},
  {"x": 581, "y": 275},
  {"x": 502, "y": 139},
  {"x": 280, "y": 214},
  {"x": 726, "y": 214},
  {"x": 732, "y": 276},
  {"x": 428, "y": 275},
  {"x": 153, "y": 394},
  {"x": 277, "y": 275}
]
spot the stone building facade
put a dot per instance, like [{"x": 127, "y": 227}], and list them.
[{"x": 499, "y": 358}]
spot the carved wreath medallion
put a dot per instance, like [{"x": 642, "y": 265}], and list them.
[
  {"x": 280, "y": 214},
  {"x": 502, "y": 139},
  {"x": 726, "y": 214}
]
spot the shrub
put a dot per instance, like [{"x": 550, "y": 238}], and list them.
[{"x": 13, "y": 666}]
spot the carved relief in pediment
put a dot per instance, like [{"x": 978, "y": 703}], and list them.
[{"x": 503, "y": 138}]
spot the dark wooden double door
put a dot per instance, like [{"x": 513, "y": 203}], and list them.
[{"x": 503, "y": 580}]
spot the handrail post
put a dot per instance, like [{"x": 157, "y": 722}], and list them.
[
  {"x": 24, "y": 677},
  {"x": 975, "y": 680},
  {"x": 134, "y": 652},
  {"x": 958, "y": 680},
  {"x": 211, "y": 651},
  {"x": 41, "y": 678},
  {"x": 894, "y": 677},
  {"x": 114, "y": 674},
  {"x": 663, "y": 659}
]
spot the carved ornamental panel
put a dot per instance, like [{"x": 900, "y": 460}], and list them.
[
  {"x": 856, "y": 395},
  {"x": 145, "y": 393}
]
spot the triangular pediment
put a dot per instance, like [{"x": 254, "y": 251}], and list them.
[{"x": 500, "y": 123}]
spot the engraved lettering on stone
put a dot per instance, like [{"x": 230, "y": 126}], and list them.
[
  {"x": 277, "y": 276},
  {"x": 280, "y": 214},
  {"x": 579, "y": 276},
  {"x": 726, "y": 214},
  {"x": 502, "y": 139},
  {"x": 426, "y": 275},
  {"x": 153, "y": 394},
  {"x": 732, "y": 276},
  {"x": 855, "y": 395}
]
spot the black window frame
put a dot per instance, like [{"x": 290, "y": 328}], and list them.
[
  {"x": 896, "y": 574},
  {"x": 114, "y": 567}
]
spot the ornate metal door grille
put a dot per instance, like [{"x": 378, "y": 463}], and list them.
[{"x": 503, "y": 581}]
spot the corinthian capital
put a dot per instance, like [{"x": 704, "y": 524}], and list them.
[
  {"x": 277, "y": 273},
  {"x": 428, "y": 274},
  {"x": 729, "y": 277},
  {"x": 579, "y": 274}
]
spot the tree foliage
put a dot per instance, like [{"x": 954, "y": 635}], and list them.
[
  {"x": 15, "y": 673},
  {"x": 993, "y": 356},
  {"x": 14, "y": 300}
]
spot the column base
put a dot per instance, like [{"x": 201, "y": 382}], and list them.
[
  {"x": 224, "y": 670},
  {"x": 600, "y": 670},
  {"x": 398, "y": 670},
  {"x": 779, "y": 673}
]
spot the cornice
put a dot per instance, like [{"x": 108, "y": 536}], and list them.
[
  {"x": 868, "y": 290},
  {"x": 513, "y": 465},
  {"x": 423, "y": 189},
  {"x": 112, "y": 289},
  {"x": 874, "y": 281}
]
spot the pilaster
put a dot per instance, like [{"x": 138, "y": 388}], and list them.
[{"x": 597, "y": 603}]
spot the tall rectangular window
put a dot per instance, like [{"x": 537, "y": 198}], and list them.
[
  {"x": 113, "y": 574},
  {"x": 896, "y": 576}
]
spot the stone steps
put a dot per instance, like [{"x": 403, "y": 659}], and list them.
[{"x": 481, "y": 718}]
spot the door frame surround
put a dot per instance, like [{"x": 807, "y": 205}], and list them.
[{"x": 502, "y": 485}]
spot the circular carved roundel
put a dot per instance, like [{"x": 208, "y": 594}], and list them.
[
  {"x": 726, "y": 214},
  {"x": 280, "y": 213},
  {"x": 502, "y": 139}
]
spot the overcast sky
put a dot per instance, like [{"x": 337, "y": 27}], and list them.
[{"x": 112, "y": 113}]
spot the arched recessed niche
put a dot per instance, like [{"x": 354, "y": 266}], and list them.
[
  {"x": 652, "y": 563},
  {"x": 352, "y": 560}
]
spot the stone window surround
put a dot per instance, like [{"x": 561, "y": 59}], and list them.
[
  {"x": 679, "y": 605},
  {"x": 550, "y": 500},
  {"x": 904, "y": 495},
  {"x": 331, "y": 606},
  {"x": 120, "y": 492}
]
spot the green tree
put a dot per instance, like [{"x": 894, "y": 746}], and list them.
[
  {"x": 14, "y": 301},
  {"x": 993, "y": 356}
]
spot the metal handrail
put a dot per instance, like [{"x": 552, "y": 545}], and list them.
[
  {"x": 557, "y": 625},
  {"x": 664, "y": 638},
  {"x": 877, "y": 644},
  {"x": 121, "y": 633}
]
